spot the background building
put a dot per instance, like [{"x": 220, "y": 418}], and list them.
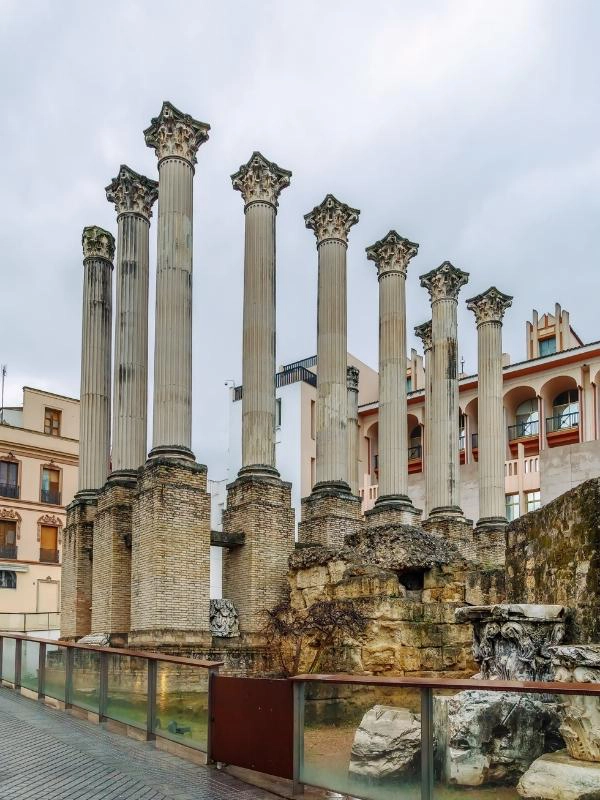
[
  {"x": 39, "y": 445},
  {"x": 551, "y": 409}
]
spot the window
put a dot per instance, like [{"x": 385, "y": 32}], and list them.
[
  {"x": 533, "y": 500},
  {"x": 409, "y": 383},
  {"x": 548, "y": 346},
  {"x": 461, "y": 431},
  {"x": 512, "y": 507},
  {"x": 8, "y": 538},
  {"x": 278, "y": 412},
  {"x": 9, "y": 479},
  {"x": 313, "y": 426},
  {"x": 50, "y": 486},
  {"x": 527, "y": 419},
  {"x": 49, "y": 544},
  {"x": 565, "y": 411},
  {"x": 8, "y": 579},
  {"x": 52, "y": 422},
  {"x": 414, "y": 444}
]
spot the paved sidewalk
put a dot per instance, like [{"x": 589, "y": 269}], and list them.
[{"x": 49, "y": 755}]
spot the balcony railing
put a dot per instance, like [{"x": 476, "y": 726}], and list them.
[
  {"x": 562, "y": 422},
  {"x": 290, "y": 374},
  {"x": 48, "y": 556},
  {"x": 51, "y": 496},
  {"x": 8, "y": 550},
  {"x": 415, "y": 452},
  {"x": 311, "y": 361},
  {"x": 523, "y": 430},
  {"x": 474, "y": 441},
  {"x": 9, "y": 490}
]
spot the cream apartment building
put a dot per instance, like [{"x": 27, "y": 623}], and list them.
[
  {"x": 39, "y": 445},
  {"x": 551, "y": 409}
]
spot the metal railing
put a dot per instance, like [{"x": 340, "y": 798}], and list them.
[
  {"x": 523, "y": 430},
  {"x": 9, "y": 490},
  {"x": 50, "y": 496},
  {"x": 415, "y": 452},
  {"x": 163, "y": 696},
  {"x": 562, "y": 422},
  {"x": 8, "y": 551},
  {"x": 311, "y": 361},
  {"x": 293, "y": 373},
  {"x": 48, "y": 556},
  {"x": 474, "y": 441}
]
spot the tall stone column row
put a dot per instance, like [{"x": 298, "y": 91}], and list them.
[
  {"x": 423, "y": 332},
  {"x": 392, "y": 255},
  {"x": 352, "y": 376}
]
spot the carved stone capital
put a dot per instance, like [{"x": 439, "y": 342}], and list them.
[
  {"x": 352, "y": 374},
  {"x": 392, "y": 254},
  {"x": 445, "y": 282},
  {"x": 98, "y": 243},
  {"x": 489, "y": 306},
  {"x": 260, "y": 180},
  {"x": 176, "y": 134},
  {"x": 331, "y": 220},
  {"x": 424, "y": 332},
  {"x": 132, "y": 193}
]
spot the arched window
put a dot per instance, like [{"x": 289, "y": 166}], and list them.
[
  {"x": 414, "y": 444},
  {"x": 8, "y": 538},
  {"x": 565, "y": 410},
  {"x": 462, "y": 423},
  {"x": 8, "y": 579},
  {"x": 527, "y": 419}
]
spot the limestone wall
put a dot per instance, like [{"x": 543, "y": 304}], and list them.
[{"x": 553, "y": 556}]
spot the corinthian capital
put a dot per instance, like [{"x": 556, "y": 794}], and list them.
[
  {"x": 98, "y": 243},
  {"x": 392, "y": 253},
  {"x": 132, "y": 193},
  {"x": 424, "y": 333},
  {"x": 174, "y": 133},
  {"x": 489, "y": 306},
  {"x": 260, "y": 180},
  {"x": 352, "y": 374},
  {"x": 444, "y": 282},
  {"x": 331, "y": 220}
]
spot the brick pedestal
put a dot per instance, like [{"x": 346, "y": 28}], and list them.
[
  {"x": 328, "y": 516},
  {"x": 76, "y": 581},
  {"x": 457, "y": 530},
  {"x": 390, "y": 514},
  {"x": 111, "y": 584},
  {"x": 255, "y": 574},
  {"x": 170, "y": 555},
  {"x": 490, "y": 544}
]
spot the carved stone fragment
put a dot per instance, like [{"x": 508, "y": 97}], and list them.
[{"x": 224, "y": 619}]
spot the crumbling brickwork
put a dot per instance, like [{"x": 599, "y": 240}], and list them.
[
  {"x": 328, "y": 516},
  {"x": 76, "y": 581}
]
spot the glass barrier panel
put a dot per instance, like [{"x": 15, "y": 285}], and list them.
[
  {"x": 485, "y": 742},
  {"x": 362, "y": 741},
  {"x": 8, "y": 659},
  {"x": 54, "y": 683},
  {"x": 182, "y": 704},
  {"x": 127, "y": 695},
  {"x": 30, "y": 664},
  {"x": 86, "y": 680}
]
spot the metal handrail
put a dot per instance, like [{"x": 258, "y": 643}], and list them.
[
  {"x": 8, "y": 551},
  {"x": 523, "y": 430},
  {"x": 474, "y": 441},
  {"x": 293, "y": 373},
  {"x": 48, "y": 556},
  {"x": 51, "y": 496},
  {"x": 9, "y": 490},
  {"x": 311, "y": 361},
  {"x": 415, "y": 452},
  {"x": 562, "y": 422}
]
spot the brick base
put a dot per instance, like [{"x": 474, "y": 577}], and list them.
[
  {"x": 76, "y": 573},
  {"x": 111, "y": 576},
  {"x": 255, "y": 574},
  {"x": 490, "y": 544},
  {"x": 170, "y": 553},
  {"x": 328, "y": 516},
  {"x": 457, "y": 529},
  {"x": 385, "y": 515}
]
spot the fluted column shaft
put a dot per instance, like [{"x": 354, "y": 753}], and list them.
[
  {"x": 489, "y": 308},
  {"x": 352, "y": 376},
  {"x": 96, "y": 341},
  {"x": 424, "y": 333},
  {"x": 258, "y": 350},
  {"x": 172, "y": 408}
]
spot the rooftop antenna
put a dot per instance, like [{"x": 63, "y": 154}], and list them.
[{"x": 2, "y": 399}]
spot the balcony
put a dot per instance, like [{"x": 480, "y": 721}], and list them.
[
  {"x": 48, "y": 556},
  {"x": 415, "y": 453},
  {"x": 9, "y": 490},
  {"x": 8, "y": 550},
  {"x": 523, "y": 430},
  {"x": 51, "y": 496},
  {"x": 562, "y": 422}
]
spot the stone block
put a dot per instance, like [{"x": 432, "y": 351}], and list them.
[
  {"x": 387, "y": 744},
  {"x": 557, "y": 776}
]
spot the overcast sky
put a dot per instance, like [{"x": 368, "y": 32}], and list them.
[{"x": 469, "y": 127}]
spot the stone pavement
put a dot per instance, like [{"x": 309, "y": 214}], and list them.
[{"x": 49, "y": 755}]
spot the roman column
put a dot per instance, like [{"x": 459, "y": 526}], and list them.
[
  {"x": 392, "y": 255},
  {"x": 331, "y": 222},
  {"x": 133, "y": 196},
  {"x": 260, "y": 182},
  {"x": 423, "y": 332},
  {"x": 352, "y": 375},
  {"x": 443, "y": 285},
  {"x": 175, "y": 137},
  {"x": 96, "y": 341},
  {"x": 489, "y": 308}
]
